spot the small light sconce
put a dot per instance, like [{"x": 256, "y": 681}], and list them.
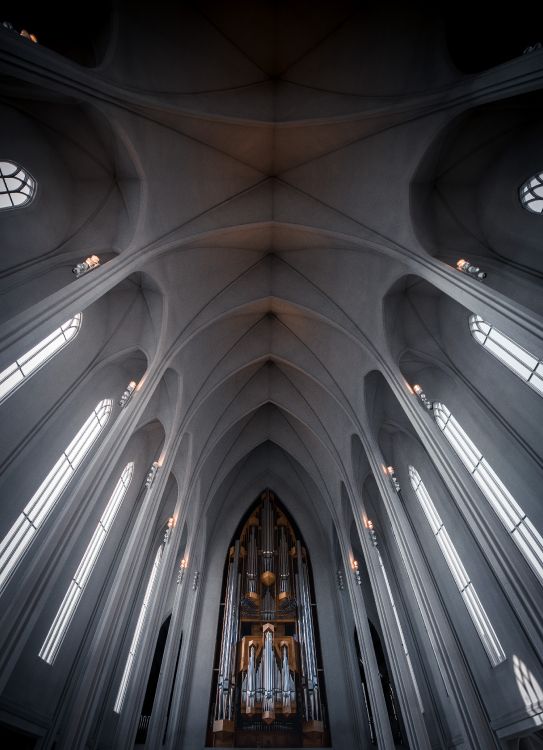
[
  {"x": 195, "y": 580},
  {"x": 93, "y": 261},
  {"x": 371, "y": 532},
  {"x": 27, "y": 35},
  {"x": 127, "y": 395},
  {"x": 151, "y": 475},
  {"x": 393, "y": 478},
  {"x": 181, "y": 572},
  {"x": 425, "y": 401},
  {"x": 340, "y": 581},
  {"x": 474, "y": 271},
  {"x": 171, "y": 524},
  {"x": 356, "y": 573},
  {"x": 532, "y": 48}
]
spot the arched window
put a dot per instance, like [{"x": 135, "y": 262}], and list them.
[
  {"x": 484, "y": 628},
  {"x": 531, "y": 194},
  {"x": 513, "y": 356},
  {"x": 16, "y": 374},
  {"x": 61, "y": 623},
  {"x": 17, "y": 187},
  {"x": 29, "y": 522},
  {"x": 515, "y": 520},
  {"x": 400, "y": 631},
  {"x": 121, "y": 694}
]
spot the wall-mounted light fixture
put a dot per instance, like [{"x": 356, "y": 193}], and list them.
[
  {"x": 393, "y": 478},
  {"x": 24, "y": 33},
  {"x": 474, "y": 271},
  {"x": 181, "y": 572},
  {"x": 171, "y": 524},
  {"x": 195, "y": 580},
  {"x": 532, "y": 48},
  {"x": 151, "y": 475},
  {"x": 127, "y": 394},
  {"x": 425, "y": 401},
  {"x": 371, "y": 533},
  {"x": 340, "y": 581},
  {"x": 356, "y": 573},
  {"x": 93, "y": 261},
  {"x": 27, "y": 35}
]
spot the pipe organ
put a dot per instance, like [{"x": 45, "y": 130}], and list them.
[{"x": 268, "y": 687}]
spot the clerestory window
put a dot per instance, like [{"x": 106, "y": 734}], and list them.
[
  {"x": 20, "y": 536},
  {"x": 515, "y": 520},
  {"x": 531, "y": 194},
  {"x": 511, "y": 354},
  {"x": 400, "y": 631},
  {"x": 18, "y": 372},
  {"x": 17, "y": 186},
  {"x": 67, "y": 609},
  {"x": 476, "y": 611},
  {"x": 121, "y": 693}
]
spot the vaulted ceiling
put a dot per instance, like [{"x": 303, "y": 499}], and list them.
[{"x": 255, "y": 162}]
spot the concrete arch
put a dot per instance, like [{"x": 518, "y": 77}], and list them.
[
  {"x": 87, "y": 198},
  {"x": 465, "y": 195}
]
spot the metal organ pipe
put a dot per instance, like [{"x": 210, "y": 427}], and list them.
[
  {"x": 252, "y": 563},
  {"x": 283, "y": 563},
  {"x": 268, "y": 698},
  {"x": 267, "y": 535},
  {"x": 226, "y": 678},
  {"x": 286, "y": 682},
  {"x": 251, "y": 682},
  {"x": 309, "y": 662}
]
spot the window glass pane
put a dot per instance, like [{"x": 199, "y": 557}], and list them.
[
  {"x": 69, "y": 604},
  {"x": 135, "y": 640},
  {"x": 511, "y": 354},
  {"x": 531, "y": 192},
  {"x": 502, "y": 502},
  {"x": 42, "y": 354},
  {"x": 510, "y": 359},
  {"x": 17, "y": 186},
  {"x": 509, "y": 345},
  {"x": 465, "y": 586},
  {"x": 9, "y": 379},
  {"x": 7, "y": 168},
  {"x": 17, "y": 540},
  {"x": 30, "y": 362}
]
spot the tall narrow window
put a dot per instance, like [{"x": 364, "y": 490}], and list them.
[
  {"x": 513, "y": 356},
  {"x": 61, "y": 623},
  {"x": 34, "y": 515},
  {"x": 400, "y": 631},
  {"x": 17, "y": 187},
  {"x": 515, "y": 520},
  {"x": 17, "y": 373},
  {"x": 531, "y": 194},
  {"x": 480, "y": 619},
  {"x": 121, "y": 694}
]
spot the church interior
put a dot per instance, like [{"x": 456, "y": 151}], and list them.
[{"x": 271, "y": 375}]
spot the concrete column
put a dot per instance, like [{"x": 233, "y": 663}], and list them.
[
  {"x": 499, "y": 549},
  {"x": 452, "y": 664},
  {"x": 413, "y": 720},
  {"x": 376, "y": 696},
  {"x": 92, "y": 677}
]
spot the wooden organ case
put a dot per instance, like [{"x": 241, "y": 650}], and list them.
[{"x": 268, "y": 687}]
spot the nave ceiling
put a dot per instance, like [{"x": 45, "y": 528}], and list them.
[{"x": 261, "y": 174}]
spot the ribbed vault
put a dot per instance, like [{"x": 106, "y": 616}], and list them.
[
  {"x": 278, "y": 192},
  {"x": 261, "y": 210}
]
